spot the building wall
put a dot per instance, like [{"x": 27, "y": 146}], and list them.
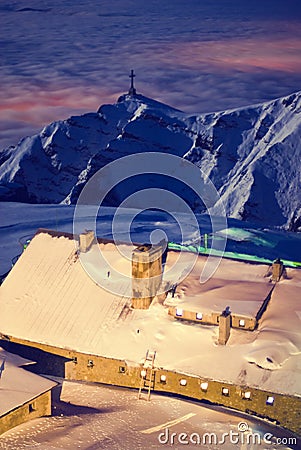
[
  {"x": 250, "y": 322},
  {"x": 212, "y": 318},
  {"x": 102, "y": 370},
  {"x": 38, "y": 407},
  {"x": 285, "y": 411}
]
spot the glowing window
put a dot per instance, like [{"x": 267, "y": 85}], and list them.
[
  {"x": 143, "y": 373},
  {"x": 183, "y": 382},
  {"x": 247, "y": 395},
  {"x": 225, "y": 391},
  {"x": 204, "y": 386},
  {"x": 163, "y": 378},
  {"x": 270, "y": 400},
  {"x": 242, "y": 323},
  {"x": 199, "y": 316},
  {"x": 179, "y": 312}
]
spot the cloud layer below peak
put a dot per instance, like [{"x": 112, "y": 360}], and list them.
[{"x": 65, "y": 58}]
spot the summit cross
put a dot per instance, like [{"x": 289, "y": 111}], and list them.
[{"x": 132, "y": 90}]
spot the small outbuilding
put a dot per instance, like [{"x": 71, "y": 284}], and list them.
[{"x": 23, "y": 395}]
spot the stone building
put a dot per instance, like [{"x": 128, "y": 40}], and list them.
[
  {"x": 50, "y": 304},
  {"x": 23, "y": 395}
]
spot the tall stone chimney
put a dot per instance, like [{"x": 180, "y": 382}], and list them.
[
  {"x": 277, "y": 269},
  {"x": 224, "y": 326},
  {"x": 86, "y": 240},
  {"x": 146, "y": 274}
]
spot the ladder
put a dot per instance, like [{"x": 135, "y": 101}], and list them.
[{"x": 147, "y": 376}]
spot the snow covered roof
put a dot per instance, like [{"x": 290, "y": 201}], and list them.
[
  {"x": 242, "y": 287},
  {"x": 49, "y": 298},
  {"x": 17, "y": 385}
]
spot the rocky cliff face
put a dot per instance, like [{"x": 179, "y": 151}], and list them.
[{"x": 252, "y": 154}]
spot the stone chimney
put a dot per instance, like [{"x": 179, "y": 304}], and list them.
[
  {"x": 224, "y": 326},
  {"x": 277, "y": 269},
  {"x": 86, "y": 240},
  {"x": 146, "y": 274}
]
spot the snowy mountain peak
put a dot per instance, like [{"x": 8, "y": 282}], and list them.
[
  {"x": 138, "y": 100},
  {"x": 252, "y": 154}
]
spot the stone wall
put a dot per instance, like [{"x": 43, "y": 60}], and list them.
[
  {"x": 237, "y": 321},
  {"x": 285, "y": 410}
]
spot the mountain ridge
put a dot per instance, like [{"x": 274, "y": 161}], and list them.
[{"x": 252, "y": 155}]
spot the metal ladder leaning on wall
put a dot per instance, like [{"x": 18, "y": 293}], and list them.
[{"x": 147, "y": 382}]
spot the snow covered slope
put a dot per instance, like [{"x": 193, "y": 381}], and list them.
[{"x": 252, "y": 155}]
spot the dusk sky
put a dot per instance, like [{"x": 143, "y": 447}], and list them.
[{"x": 63, "y": 58}]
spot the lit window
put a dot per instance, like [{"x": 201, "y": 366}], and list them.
[
  {"x": 225, "y": 391},
  {"x": 270, "y": 400},
  {"x": 199, "y": 316},
  {"x": 183, "y": 382},
  {"x": 204, "y": 386},
  {"x": 247, "y": 395},
  {"x": 163, "y": 378},
  {"x": 179, "y": 312},
  {"x": 143, "y": 373},
  {"x": 242, "y": 323}
]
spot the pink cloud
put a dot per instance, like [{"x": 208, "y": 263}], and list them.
[
  {"x": 193, "y": 75},
  {"x": 40, "y": 107},
  {"x": 240, "y": 54}
]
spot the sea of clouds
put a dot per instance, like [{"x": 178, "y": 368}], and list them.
[{"x": 62, "y": 58}]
